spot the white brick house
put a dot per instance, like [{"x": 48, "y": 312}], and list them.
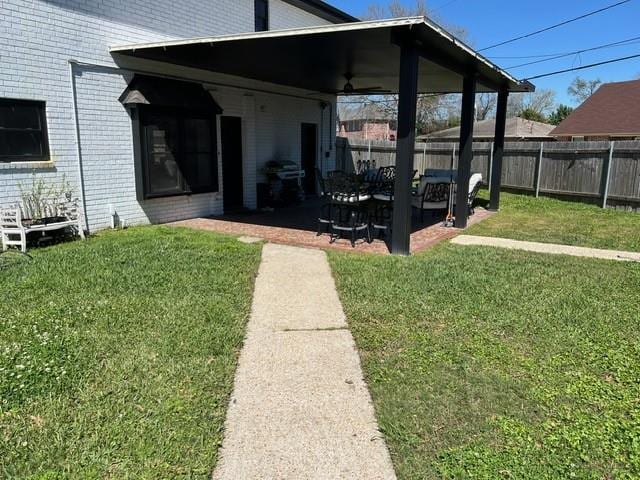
[{"x": 57, "y": 52}]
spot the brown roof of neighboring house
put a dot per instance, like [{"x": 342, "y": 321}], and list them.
[
  {"x": 614, "y": 109},
  {"x": 516, "y": 127}
]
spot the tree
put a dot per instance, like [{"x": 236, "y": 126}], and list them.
[
  {"x": 562, "y": 112},
  {"x": 485, "y": 105},
  {"x": 432, "y": 110},
  {"x": 581, "y": 89},
  {"x": 531, "y": 114},
  {"x": 538, "y": 104}
]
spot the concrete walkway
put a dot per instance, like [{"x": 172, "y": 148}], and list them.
[
  {"x": 548, "y": 248},
  {"x": 300, "y": 408}
]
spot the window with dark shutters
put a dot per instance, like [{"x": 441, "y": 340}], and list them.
[
  {"x": 179, "y": 155},
  {"x": 23, "y": 131}
]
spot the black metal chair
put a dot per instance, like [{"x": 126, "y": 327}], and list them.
[
  {"x": 383, "y": 192},
  {"x": 348, "y": 207},
  {"x": 432, "y": 195},
  {"x": 324, "y": 218}
]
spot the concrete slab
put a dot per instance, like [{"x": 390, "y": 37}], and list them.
[
  {"x": 249, "y": 240},
  {"x": 300, "y": 407},
  {"x": 548, "y": 248}
]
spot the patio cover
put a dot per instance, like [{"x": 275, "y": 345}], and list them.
[
  {"x": 404, "y": 55},
  {"x": 318, "y": 58}
]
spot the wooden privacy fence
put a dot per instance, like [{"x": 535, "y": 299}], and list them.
[{"x": 606, "y": 173}]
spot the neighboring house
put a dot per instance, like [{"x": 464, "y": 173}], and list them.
[
  {"x": 611, "y": 113},
  {"x": 367, "y": 122},
  {"x": 362, "y": 129},
  {"x": 517, "y": 129},
  {"x": 135, "y": 138}
]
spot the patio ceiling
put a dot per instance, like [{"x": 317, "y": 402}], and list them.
[{"x": 317, "y": 58}]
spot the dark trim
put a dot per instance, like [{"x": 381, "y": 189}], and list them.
[
  {"x": 140, "y": 153},
  {"x": 46, "y": 156},
  {"x": 136, "y": 132},
  {"x": 466, "y": 150},
  {"x": 498, "y": 149},
  {"x": 405, "y": 146},
  {"x": 257, "y": 27},
  {"x": 164, "y": 92},
  {"x": 323, "y": 10}
]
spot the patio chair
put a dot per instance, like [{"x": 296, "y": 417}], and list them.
[
  {"x": 348, "y": 207},
  {"x": 475, "y": 182},
  {"x": 324, "y": 218},
  {"x": 432, "y": 195},
  {"x": 383, "y": 197}
]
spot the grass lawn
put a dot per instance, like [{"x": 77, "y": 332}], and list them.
[
  {"x": 524, "y": 217},
  {"x": 487, "y": 363},
  {"x": 117, "y": 354}
]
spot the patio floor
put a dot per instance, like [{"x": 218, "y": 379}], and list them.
[{"x": 297, "y": 225}]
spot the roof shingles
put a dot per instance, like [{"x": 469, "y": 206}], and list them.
[{"x": 613, "y": 110}]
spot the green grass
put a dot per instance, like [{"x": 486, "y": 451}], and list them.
[
  {"x": 487, "y": 363},
  {"x": 524, "y": 217},
  {"x": 117, "y": 354}
]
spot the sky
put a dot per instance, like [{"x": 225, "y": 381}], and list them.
[{"x": 487, "y": 22}]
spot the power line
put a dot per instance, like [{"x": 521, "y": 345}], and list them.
[
  {"x": 444, "y": 5},
  {"x": 512, "y": 57},
  {"x": 614, "y": 60},
  {"x": 629, "y": 41},
  {"x": 556, "y": 25}
]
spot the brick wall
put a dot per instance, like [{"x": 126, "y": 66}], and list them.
[{"x": 39, "y": 37}]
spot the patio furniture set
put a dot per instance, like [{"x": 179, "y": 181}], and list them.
[
  {"x": 361, "y": 204},
  {"x": 56, "y": 215}
]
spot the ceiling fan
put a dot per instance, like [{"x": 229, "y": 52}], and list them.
[{"x": 349, "y": 89}]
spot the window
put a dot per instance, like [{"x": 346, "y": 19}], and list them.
[
  {"x": 179, "y": 154},
  {"x": 261, "y": 15},
  {"x": 23, "y": 131}
]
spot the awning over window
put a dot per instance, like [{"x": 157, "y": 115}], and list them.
[
  {"x": 162, "y": 92},
  {"x": 321, "y": 58}
]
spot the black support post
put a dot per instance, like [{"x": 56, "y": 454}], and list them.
[
  {"x": 466, "y": 149},
  {"x": 406, "y": 136},
  {"x": 498, "y": 149}
]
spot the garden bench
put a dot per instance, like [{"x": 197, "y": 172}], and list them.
[{"x": 14, "y": 227}]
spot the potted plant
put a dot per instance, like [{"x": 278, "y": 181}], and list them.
[{"x": 40, "y": 202}]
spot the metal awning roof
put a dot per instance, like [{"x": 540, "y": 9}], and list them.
[{"x": 317, "y": 58}]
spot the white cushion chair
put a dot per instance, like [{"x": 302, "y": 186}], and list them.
[{"x": 475, "y": 182}]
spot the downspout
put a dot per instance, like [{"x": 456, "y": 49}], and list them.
[{"x": 72, "y": 82}]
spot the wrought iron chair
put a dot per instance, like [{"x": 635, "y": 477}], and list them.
[
  {"x": 382, "y": 193},
  {"x": 324, "y": 218},
  {"x": 432, "y": 195},
  {"x": 348, "y": 208}
]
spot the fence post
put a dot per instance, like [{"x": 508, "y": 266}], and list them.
[
  {"x": 454, "y": 165},
  {"x": 424, "y": 158},
  {"x": 539, "y": 169},
  {"x": 490, "y": 165},
  {"x": 606, "y": 175}
]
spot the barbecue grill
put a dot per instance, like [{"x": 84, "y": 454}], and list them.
[{"x": 284, "y": 182}]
